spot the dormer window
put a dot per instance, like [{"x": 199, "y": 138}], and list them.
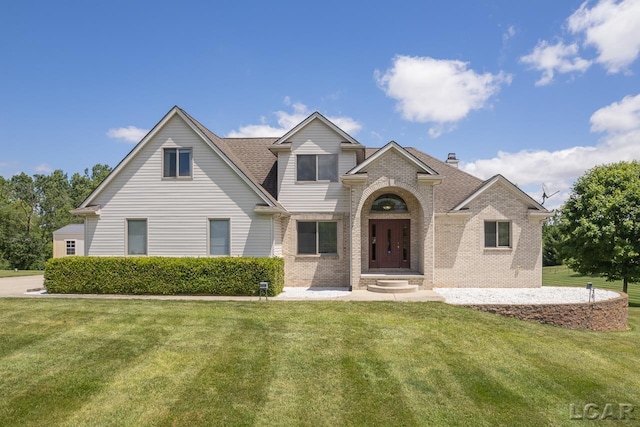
[
  {"x": 317, "y": 167},
  {"x": 177, "y": 163}
]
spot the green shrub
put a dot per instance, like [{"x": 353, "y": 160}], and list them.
[{"x": 163, "y": 275}]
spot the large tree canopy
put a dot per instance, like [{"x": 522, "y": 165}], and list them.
[
  {"x": 31, "y": 208},
  {"x": 600, "y": 223}
]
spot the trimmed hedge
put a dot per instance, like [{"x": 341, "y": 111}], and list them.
[{"x": 163, "y": 275}]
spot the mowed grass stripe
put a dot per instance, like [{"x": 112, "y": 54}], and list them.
[
  {"x": 306, "y": 387},
  {"x": 230, "y": 386},
  {"x": 145, "y": 390},
  {"x": 304, "y": 363},
  {"x": 46, "y": 380}
]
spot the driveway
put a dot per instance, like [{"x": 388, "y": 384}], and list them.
[{"x": 17, "y": 286}]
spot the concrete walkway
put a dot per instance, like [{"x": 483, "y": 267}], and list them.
[{"x": 18, "y": 287}]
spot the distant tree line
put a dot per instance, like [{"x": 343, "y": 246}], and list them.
[{"x": 33, "y": 207}]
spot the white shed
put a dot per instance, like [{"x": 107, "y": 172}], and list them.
[{"x": 68, "y": 241}]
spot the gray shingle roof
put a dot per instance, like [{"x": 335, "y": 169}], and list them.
[
  {"x": 253, "y": 157},
  {"x": 71, "y": 228},
  {"x": 456, "y": 184},
  {"x": 226, "y": 147}
]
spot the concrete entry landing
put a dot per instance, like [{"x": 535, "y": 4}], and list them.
[{"x": 392, "y": 287}]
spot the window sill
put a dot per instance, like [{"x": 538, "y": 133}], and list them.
[
  {"x": 336, "y": 256},
  {"x": 499, "y": 249},
  {"x": 316, "y": 182},
  {"x": 177, "y": 178}
]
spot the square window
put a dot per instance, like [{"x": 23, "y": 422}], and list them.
[
  {"x": 317, "y": 237},
  {"x": 497, "y": 234},
  {"x": 219, "y": 237},
  {"x": 136, "y": 236},
  {"x": 177, "y": 162}
]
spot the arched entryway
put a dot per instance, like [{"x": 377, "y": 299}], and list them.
[
  {"x": 389, "y": 237},
  {"x": 391, "y": 231}
]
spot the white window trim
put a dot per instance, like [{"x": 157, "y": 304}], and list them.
[
  {"x": 209, "y": 236},
  {"x": 66, "y": 247},
  {"x": 177, "y": 177},
  {"x": 321, "y": 181},
  {"x": 126, "y": 237},
  {"x": 317, "y": 254},
  {"x": 497, "y": 247}
]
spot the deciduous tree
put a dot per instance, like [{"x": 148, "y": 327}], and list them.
[{"x": 600, "y": 223}]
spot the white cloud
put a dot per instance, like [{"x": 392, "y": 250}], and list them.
[
  {"x": 43, "y": 168},
  {"x": 509, "y": 33},
  {"x": 287, "y": 121},
  {"x": 620, "y": 121},
  {"x": 438, "y": 91},
  {"x": 623, "y": 116},
  {"x": 550, "y": 59},
  {"x": 129, "y": 133},
  {"x": 613, "y": 28}
]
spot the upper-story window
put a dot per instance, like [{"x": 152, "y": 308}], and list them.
[
  {"x": 317, "y": 167},
  {"x": 177, "y": 163}
]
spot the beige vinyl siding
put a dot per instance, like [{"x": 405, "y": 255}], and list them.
[
  {"x": 178, "y": 210},
  {"x": 277, "y": 237},
  {"x": 315, "y": 138},
  {"x": 60, "y": 244}
]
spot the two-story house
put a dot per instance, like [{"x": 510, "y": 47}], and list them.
[{"x": 340, "y": 214}]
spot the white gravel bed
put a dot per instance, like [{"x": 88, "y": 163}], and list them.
[
  {"x": 293, "y": 292},
  {"x": 544, "y": 295}
]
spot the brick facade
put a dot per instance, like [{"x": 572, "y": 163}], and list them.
[
  {"x": 463, "y": 261},
  {"x": 315, "y": 270}
]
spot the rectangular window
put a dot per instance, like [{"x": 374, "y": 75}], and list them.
[
  {"x": 317, "y": 237},
  {"x": 497, "y": 234},
  {"x": 177, "y": 162},
  {"x": 317, "y": 167},
  {"x": 71, "y": 247},
  {"x": 136, "y": 236},
  {"x": 219, "y": 237}
]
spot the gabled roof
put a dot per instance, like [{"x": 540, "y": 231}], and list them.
[
  {"x": 456, "y": 184},
  {"x": 317, "y": 116},
  {"x": 496, "y": 180},
  {"x": 216, "y": 143},
  {"x": 392, "y": 145}
]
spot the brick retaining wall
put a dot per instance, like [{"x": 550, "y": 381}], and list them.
[{"x": 609, "y": 315}]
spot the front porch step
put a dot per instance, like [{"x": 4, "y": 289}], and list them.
[{"x": 392, "y": 287}]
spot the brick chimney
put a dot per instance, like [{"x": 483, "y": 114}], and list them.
[{"x": 452, "y": 160}]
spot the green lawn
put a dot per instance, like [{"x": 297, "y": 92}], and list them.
[
  {"x": 562, "y": 276},
  {"x": 12, "y": 273},
  {"x": 75, "y": 362}
]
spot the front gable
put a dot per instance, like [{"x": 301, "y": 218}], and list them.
[
  {"x": 314, "y": 141},
  {"x": 393, "y": 162},
  {"x": 140, "y": 155},
  {"x": 501, "y": 188}
]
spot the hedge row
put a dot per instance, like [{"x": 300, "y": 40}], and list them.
[{"x": 163, "y": 275}]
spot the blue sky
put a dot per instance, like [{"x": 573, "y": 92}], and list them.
[{"x": 538, "y": 91}]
